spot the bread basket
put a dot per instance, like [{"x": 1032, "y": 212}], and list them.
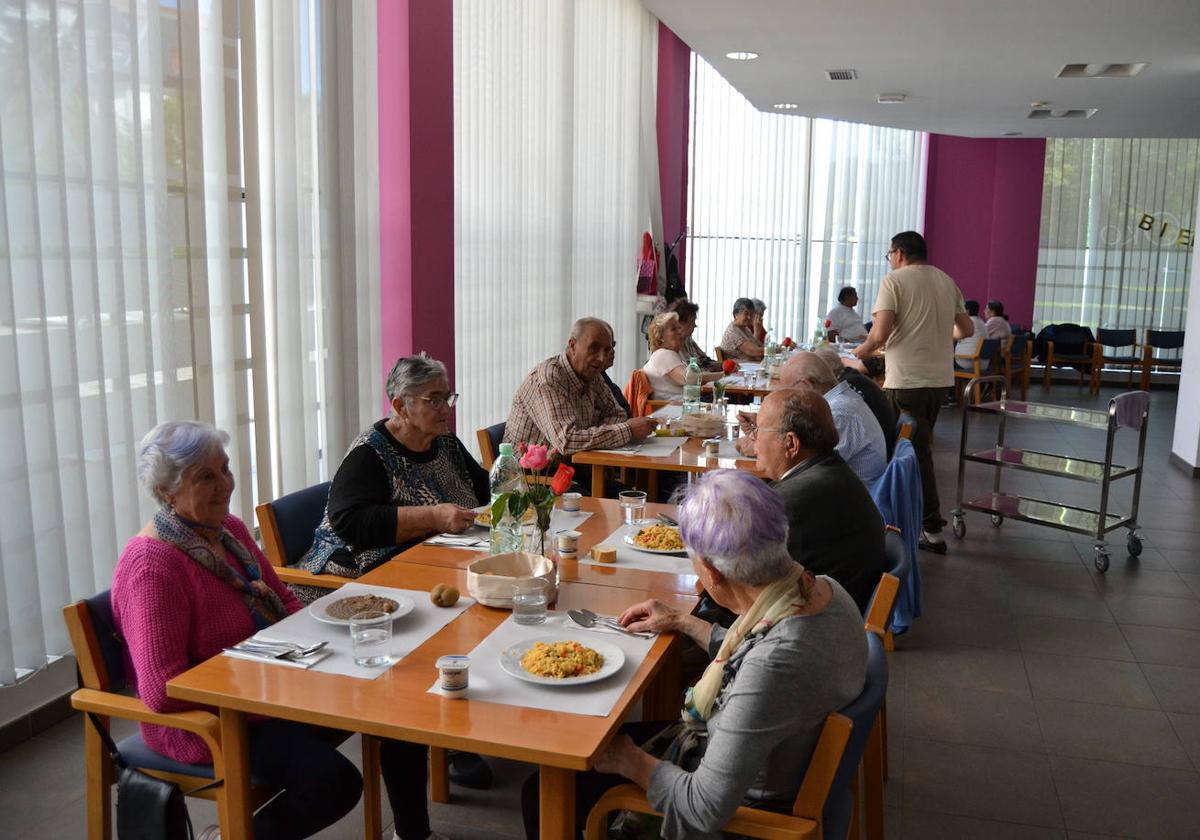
[
  {"x": 704, "y": 425},
  {"x": 490, "y": 579}
]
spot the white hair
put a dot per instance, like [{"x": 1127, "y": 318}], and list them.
[{"x": 169, "y": 449}]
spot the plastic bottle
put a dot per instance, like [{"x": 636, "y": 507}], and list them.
[
  {"x": 770, "y": 354},
  {"x": 506, "y": 477},
  {"x": 819, "y": 335},
  {"x": 692, "y": 379}
]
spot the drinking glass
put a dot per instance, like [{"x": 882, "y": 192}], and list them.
[
  {"x": 633, "y": 503},
  {"x": 371, "y": 638},
  {"x": 718, "y": 392},
  {"x": 529, "y": 601}
]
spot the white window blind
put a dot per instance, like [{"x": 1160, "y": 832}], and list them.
[
  {"x": 1112, "y": 254},
  {"x": 173, "y": 180},
  {"x": 790, "y": 209},
  {"x": 556, "y": 178}
]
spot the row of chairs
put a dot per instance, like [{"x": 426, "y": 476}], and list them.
[
  {"x": 1115, "y": 349},
  {"x": 1010, "y": 358}
]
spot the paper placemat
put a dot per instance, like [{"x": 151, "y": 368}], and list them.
[
  {"x": 728, "y": 449},
  {"x": 629, "y": 557},
  {"x": 489, "y": 682},
  {"x": 408, "y": 632},
  {"x": 560, "y": 520},
  {"x": 651, "y": 447}
]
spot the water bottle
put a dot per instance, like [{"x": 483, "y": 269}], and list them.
[
  {"x": 819, "y": 334},
  {"x": 692, "y": 378},
  {"x": 506, "y": 477},
  {"x": 770, "y": 355}
]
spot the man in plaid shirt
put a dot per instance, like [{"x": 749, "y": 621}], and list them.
[{"x": 565, "y": 402}]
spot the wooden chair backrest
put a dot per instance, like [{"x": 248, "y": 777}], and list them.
[
  {"x": 272, "y": 540},
  {"x": 486, "y": 454},
  {"x": 82, "y": 631},
  {"x": 822, "y": 767},
  {"x": 719, "y": 354},
  {"x": 882, "y": 603}
]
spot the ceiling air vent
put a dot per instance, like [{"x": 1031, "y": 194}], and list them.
[
  {"x": 1062, "y": 113},
  {"x": 1101, "y": 71},
  {"x": 841, "y": 75}
]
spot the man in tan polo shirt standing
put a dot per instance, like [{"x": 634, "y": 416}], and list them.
[{"x": 914, "y": 318}]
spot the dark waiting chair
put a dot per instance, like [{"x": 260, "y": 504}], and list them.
[
  {"x": 982, "y": 362},
  {"x": 1016, "y": 360},
  {"x": 489, "y": 440},
  {"x": 1161, "y": 340},
  {"x": 287, "y": 525},
  {"x": 1102, "y": 358},
  {"x": 1071, "y": 346}
]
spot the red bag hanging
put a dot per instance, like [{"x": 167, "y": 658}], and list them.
[{"x": 648, "y": 267}]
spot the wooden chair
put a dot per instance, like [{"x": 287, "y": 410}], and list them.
[
  {"x": 1160, "y": 340},
  {"x": 489, "y": 443},
  {"x": 287, "y": 525},
  {"x": 981, "y": 361},
  {"x": 1101, "y": 358},
  {"x": 879, "y": 615},
  {"x": 825, "y": 804},
  {"x": 1070, "y": 347},
  {"x": 1016, "y": 361},
  {"x": 719, "y": 354},
  {"x": 100, "y": 655},
  {"x": 906, "y": 424}
]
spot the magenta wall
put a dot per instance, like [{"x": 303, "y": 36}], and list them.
[
  {"x": 416, "y": 179},
  {"x": 983, "y": 206},
  {"x": 671, "y": 123}
]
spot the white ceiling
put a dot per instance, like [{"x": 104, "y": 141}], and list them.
[{"x": 969, "y": 67}]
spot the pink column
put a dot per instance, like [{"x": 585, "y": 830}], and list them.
[
  {"x": 416, "y": 179},
  {"x": 674, "y": 96}
]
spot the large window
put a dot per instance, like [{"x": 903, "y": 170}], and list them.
[
  {"x": 790, "y": 209},
  {"x": 1117, "y": 232},
  {"x": 174, "y": 178}
]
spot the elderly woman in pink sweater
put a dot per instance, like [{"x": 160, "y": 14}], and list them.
[{"x": 192, "y": 582}]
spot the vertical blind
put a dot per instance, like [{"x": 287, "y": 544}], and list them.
[
  {"x": 556, "y": 177},
  {"x": 1111, "y": 253},
  {"x": 174, "y": 179},
  {"x": 790, "y": 209}
]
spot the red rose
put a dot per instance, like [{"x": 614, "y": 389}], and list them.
[
  {"x": 729, "y": 366},
  {"x": 787, "y": 342},
  {"x": 562, "y": 479},
  {"x": 828, "y": 323}
]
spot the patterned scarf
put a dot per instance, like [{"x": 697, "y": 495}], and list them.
[{"x": 264, "y": 603}]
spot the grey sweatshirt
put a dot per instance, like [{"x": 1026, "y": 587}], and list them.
[{"x": 767, "y": 720}]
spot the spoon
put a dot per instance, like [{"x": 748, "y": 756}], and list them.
[
  {"x": 587, "y": 618},
  {"x": 283, "y": 650}
]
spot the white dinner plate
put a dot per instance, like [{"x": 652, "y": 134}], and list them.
[
  {"x": 317, "y": 608},
  {"x": 614, "y": 658},
  {"x": 628, "y": 540}
]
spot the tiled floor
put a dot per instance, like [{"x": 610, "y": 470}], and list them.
[{"x": 1036, "y": 698}]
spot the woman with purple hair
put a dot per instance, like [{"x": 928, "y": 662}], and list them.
[{"x": 747, "y": 730}]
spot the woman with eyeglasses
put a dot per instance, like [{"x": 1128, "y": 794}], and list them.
[{"x": 403, "y": 479}]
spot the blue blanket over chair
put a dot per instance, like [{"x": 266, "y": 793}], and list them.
[{"x": 897, "y": 494}]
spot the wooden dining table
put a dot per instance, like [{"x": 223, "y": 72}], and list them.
[
  {"x": 688, "y": 458},
  {"x": 398, "y": 704},
  {"x": 606, "y": 518}
]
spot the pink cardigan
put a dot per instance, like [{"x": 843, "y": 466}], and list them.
[{"x": 174, "y": 614}]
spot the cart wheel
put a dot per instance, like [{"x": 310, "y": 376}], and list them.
[
  {"x": 997, "y": 520},
  {"x": 959, "y": 527},
  {"x": 1101, "y": 560},
  {"x": 1134, "y": 544}
]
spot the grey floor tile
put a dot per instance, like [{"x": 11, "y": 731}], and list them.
[
  {"x": 953, "y": 591},
  {"x": 1155, "y": 611},
  {"x": 977, "y": 628},
  {"x": 30, "y": 770},
  {"x": 1089, "y": 680},
  {"x": 1125, "y": 799},
  {"x": 1123, "y": 579},
  {"x": 1050, "y": 575},
  {"x": 1182, "y": 560},
  {"x": 1177, "y": 689},
  {"x": 1171, "y": 538},
  {"x": 1072, "y": 637},
  {"x": 925, "y": 825},
  {"x": 1192, "y": 581},
  {"x": 981, "y": 782},
  {"x": 1187, "y": 727},
  {"x": 1111, "y": 733},
  {"x": 972, "y": 716},
  {"x": 1164, "y": 646},
  {"x": 1060, "y": 603},
  {"x": 990, "y": 670}
]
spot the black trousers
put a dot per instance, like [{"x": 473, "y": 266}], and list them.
[
  {"x": 923, "y": 404},
  {"x": 589, "y": 787}
]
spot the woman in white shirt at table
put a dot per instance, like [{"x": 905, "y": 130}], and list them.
[
  {"x": 997, "y": 322},
  {"x": 844, "y": 321},
  {"x": 666, "y": 367},
  {"x": 966, "y": 346}
]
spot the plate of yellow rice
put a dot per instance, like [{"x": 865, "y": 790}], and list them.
[
  {"x": 657, "y": 539},
  {"x": 560, "y": 660}
]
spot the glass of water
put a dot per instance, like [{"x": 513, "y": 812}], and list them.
[
  {"x": 371, "y": 638},
  {"x": 633, "y": 503},
  {"x": 529, "y": 601}
]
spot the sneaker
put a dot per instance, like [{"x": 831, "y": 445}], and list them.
[
  {"x": 212, "y": 832},
  {"x": 469, "y": 770},
  {"x": 932, "y": 541}
]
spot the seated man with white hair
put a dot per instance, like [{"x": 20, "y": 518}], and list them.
[
  {"x": 860, "y": 439},
  {"x": 866, "y": 388}
]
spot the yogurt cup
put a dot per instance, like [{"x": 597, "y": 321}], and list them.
[
  {"x": 568, "y": 542},
  {"x": 453, "y": 675},
  {"x": 570, "y": 501}
]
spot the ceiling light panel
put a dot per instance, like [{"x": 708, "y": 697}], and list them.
[
  {"x": 1102, "y": 71},
  {"x": 741, "y": 55}
]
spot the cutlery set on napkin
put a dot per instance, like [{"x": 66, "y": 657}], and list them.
[
  {"x": 458, "y": 541},
  {"x": 279, "y": 652}
]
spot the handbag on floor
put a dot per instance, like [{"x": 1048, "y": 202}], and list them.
[{"x": 148, "y": 808}]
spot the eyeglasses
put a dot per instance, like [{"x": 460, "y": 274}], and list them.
[
  {"x": 754, "y": 431},
  {"x": 438, "y": 401},
  {"x": 888, "y": 255}
]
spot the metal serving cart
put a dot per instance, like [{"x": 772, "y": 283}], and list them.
[{"x": 1130, "y": 410}]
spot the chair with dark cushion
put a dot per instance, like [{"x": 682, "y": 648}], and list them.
[
  {"x": 287, "y": 525},
  {"x": 1016, "y": 361},
  {"x": 1161, "y": 340},
  {"x": 1118, "y": 339},
  {"x": 982, "y": 361},
  {"x": 489, "y": 441},
  {"x": 1069, "y": 345}
]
